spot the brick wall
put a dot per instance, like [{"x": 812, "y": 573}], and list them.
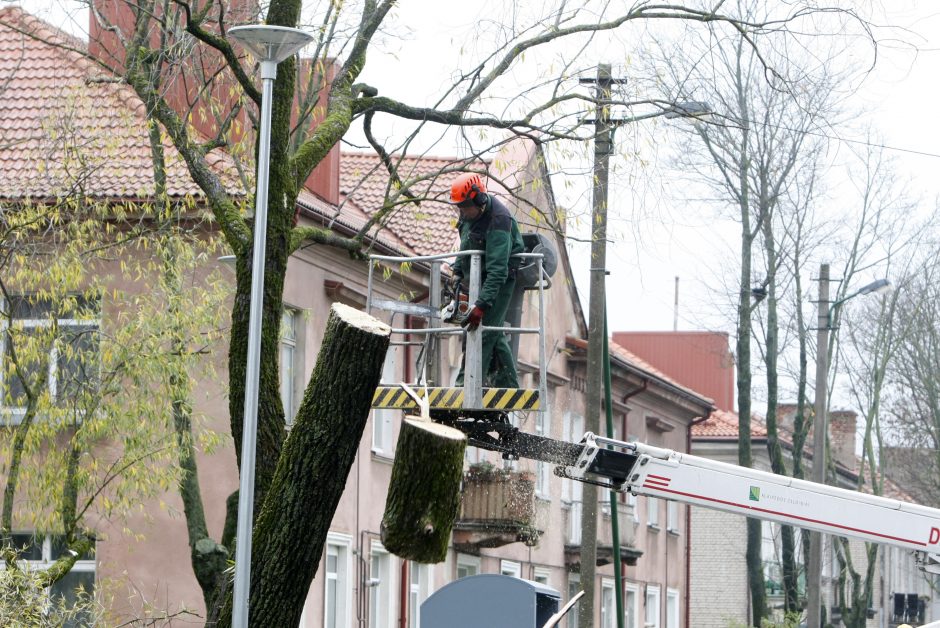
[{"x": 719, "y": 595}]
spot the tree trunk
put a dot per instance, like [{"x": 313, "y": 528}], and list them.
[
  {"x": 424, "y": 491},
  {"x": 311, "y": 473}
]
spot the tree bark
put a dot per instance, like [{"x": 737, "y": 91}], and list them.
[
  {"x": 311, "y": 473},
  {"x": 424, "y": 491}
]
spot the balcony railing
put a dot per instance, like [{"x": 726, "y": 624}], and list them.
[
  {"x": 497, "y": 507},
  {"x": 605, "y": 545}
]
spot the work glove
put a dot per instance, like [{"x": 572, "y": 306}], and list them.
[{"x": 474, "y": 318}]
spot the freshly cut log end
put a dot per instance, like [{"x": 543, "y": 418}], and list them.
[
  {"x": 424, "y": 491},
  {"x": 360, "y": 319}
]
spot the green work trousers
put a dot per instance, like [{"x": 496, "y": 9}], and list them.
[{"x": 499, "y": 366}]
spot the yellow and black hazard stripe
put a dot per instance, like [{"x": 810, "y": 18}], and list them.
[{"x": 393, "y": 397}]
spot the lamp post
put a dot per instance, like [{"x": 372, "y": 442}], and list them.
[
  {"x": 824, "y": 316},
  {"x": 270, "y": 45}
]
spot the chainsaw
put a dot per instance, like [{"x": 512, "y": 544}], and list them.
[{"x": 458, "y": 305}]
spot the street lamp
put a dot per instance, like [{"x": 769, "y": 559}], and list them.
[
  {"x": 270, "y": 45},
  {"x": 825, "y": 312}
]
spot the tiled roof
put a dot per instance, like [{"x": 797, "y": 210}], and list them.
[
  {"x": 723, "y": 425},
  {"x": 629, "y": 359},
  {"x": 426, "y": 227},
  {"x": 69, "y": 124}
]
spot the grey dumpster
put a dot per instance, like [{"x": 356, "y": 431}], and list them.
[{"x": 490, "y": 601}]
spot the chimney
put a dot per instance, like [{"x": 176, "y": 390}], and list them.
[{"x": 842, "y": 437}]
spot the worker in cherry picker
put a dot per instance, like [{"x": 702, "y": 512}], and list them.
[{"x": 486, "y": 224}]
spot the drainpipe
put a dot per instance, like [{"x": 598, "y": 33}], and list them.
[{"x": 688, "y": 528}]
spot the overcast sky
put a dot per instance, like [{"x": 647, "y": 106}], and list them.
[{"x": 900, "y": 96}]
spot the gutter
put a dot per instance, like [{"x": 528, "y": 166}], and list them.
[{"x": 688, "y": 527}]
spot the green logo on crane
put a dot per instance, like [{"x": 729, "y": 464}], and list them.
[{"x": 755, "y": 494}]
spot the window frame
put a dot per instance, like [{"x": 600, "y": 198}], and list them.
[
  {"x": 467, "y": 561},
  {"x": 510, "y": 568},
  {"x": 288, "y": 381},
  {"x": 608, "y": 606},
  {"x": 11, "y": 415},
  {"x": 673, "y": 520},
  {"x": 381, "y": 594},
  {"x": 343, "y": 579},
  {"x": 673, "y": 603},
  {"x": 652, "y": 591},
  {"x": 418, "y": 591},
  {"x": 631, "y": 588},
  {"x": 652, "y": 512},
  {"x": 383, "y": 437}
]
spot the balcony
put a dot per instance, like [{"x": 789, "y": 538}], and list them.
[
  {"x": 497, "y": 507},
  {"x": 605, "y": 546}
]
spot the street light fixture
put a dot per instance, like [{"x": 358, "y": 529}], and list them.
[
  {"x": 270, "y": 45},
  {"x": 825, "y": 312}
]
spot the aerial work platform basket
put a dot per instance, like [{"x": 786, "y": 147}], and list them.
[{"x": 536, "y": 266}]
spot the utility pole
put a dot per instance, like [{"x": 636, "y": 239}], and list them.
[
  {"x": 597, "y": 308},
  {"x": 820, "y": 428}
]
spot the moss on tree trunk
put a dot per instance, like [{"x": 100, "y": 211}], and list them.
[
  {"x": 424, "y": 491},
  {"x": 312, "y": 469}
]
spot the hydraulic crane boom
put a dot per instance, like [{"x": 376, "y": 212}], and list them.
[{"x": 646, "y": 470}]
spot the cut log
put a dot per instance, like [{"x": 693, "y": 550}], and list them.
[
  {"x": 310, "y": 476},
  {"x": 424, "y": 491}
]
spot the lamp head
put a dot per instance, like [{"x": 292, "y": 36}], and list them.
[
  {"x": 270, "y": 43},
  {"x": 882, "y": 285}
]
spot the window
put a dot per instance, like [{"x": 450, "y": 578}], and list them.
[
  {"x": 418, "y": 591},
  {"x": 632, "y": 501},
  {"x": 608, "y": 608},
  {"x": 510, "y": 568},
  {"x": 652, "y": 606},
  {"x": 672, "y": 516},
  {"x": 672, "y": 608},
  {"x": 337, "y": 587},
  {"x": 631, "y": 606},
  {"x": 381, "y": 587},
  {"x": 56, "y": 344},
  {"x": 652, "y": 512},
  {"x": 467, "y": 565},
  {"x": 41, "y": 552},
  {"x": 572, "y": 491},
  {"x": 287, "y": 348},
  {"x": 542, "y": 471},
  {"x": 574, "y": 587},
  {"x": 382, "y": 419},
  {"x": 541, "y": 575}
]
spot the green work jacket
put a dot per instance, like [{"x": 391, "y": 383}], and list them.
[{"x": 496, "y": 232}]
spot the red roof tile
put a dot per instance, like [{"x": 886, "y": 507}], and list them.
[
  {"x": 723, "y": 425},
  {"x": 69, "y": 124},
  {"x": 426, "y": 226}
]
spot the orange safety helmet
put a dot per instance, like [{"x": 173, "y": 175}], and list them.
[{"x": 466, "y": 186}]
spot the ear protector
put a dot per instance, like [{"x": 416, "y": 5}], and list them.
[{"x": 479, "y": 197}]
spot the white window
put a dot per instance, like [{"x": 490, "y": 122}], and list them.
[
  {"x": 632, "y": 501},
  {"x": 572, "y": 491},
  {"x": 608, "y": 607},
  {"x": 672, "y": 516},
  {"x": 672, "y": 608},
  {"x": 652, "y": 606},
  {"x": 418, "y": 591},
  {"x": 382, "y": 419},
  {"x": 467, "y": 565},
  {"x": 652, "y": 512},
  {"x": 381, "y": 587},
  {"x": 337, "y": 594},
  {"x": 56, "y": 347},
  {"x": 542, "y": 470},
  {"x": 39, "y": 553},
  {"x": 541, "y": 575},
  {"x": 574, "y": 587},
  {"x": 510, "y": 568},
  {"x": 288, "y": 354},
  {"x": 631, "y": 606}
]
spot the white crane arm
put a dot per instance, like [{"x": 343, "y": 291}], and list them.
[{"x": 717, "y": 485}]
